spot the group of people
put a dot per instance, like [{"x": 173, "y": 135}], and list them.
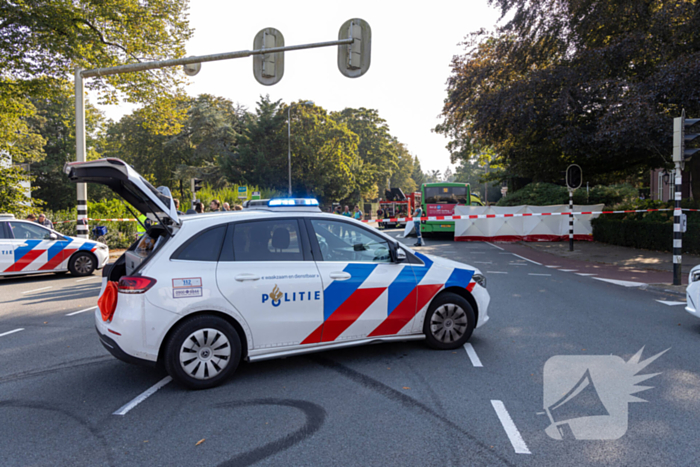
[
  {"x": 214, "y": 206},
  {"x": 41, "y": 220},
  {"x": 355, "y": 214}
]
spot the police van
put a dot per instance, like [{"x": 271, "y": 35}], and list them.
[{"x": 199, "y": 293}]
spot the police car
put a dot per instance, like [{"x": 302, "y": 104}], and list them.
[
  {"x": 199, "y": 293},
  {"x": 692, "y": 292},
  {"x": 29, "y": 248}
]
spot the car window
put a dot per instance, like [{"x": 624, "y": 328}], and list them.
[
  {"x": 29, "y": 231},
  {"x": 342, "y": 241},
  {"x": 4, "y": 230},
  {"x": 275, "y": 240},
  {"x": 205, "y": 246}
]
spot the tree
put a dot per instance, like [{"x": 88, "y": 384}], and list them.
[
  {"x": 54, "y": 120},
  {"x": 433, "y": 176},
  {"x": 403, "y": 175},
  {"x": 376, "y": 148},
  {"x": 14, "y": 198},
  {"x": 448, "y": 175},
  {"x": 592, "y": 83},
  {"x": 417, "y": 175}
]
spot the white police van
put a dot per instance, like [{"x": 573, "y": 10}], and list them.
[{"x": 198, "y": 293}]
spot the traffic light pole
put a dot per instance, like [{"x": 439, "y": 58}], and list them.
[{"x": 677, "y": 232}]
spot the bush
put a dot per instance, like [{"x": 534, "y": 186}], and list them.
[
  {"x": 646, "y": 233},
  {"x": 547, "y": 194}
]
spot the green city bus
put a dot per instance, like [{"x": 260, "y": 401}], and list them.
[{"x": 440, "y": 199}]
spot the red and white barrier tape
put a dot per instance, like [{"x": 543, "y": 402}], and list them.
[{"x": 99, "y": 220}]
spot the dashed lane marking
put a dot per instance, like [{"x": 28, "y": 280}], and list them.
[
  {"x": 81, "y": 311},
  {"x": 11, "y": 332},
  {"x": 496, "y": 272},
  {"x": 143, "y": 396},
  {"x": 88, "y": 278},
  {"x": 567, "y": 270},
  {"x": 36, "y": 290},
  {"x": 526, "y": 259},
  {"x": 533, "y": 274},
  {"x": 489, "y": 243},
  {"x": 482, "y": 262},
  {"x": 472, "y": 355},
  {"x": 552, "y": 266},
  {"x": 585, "y": 274},
  {"x": 511, "y": 430},
  {"x": 665, "y": 302},
  {"x": 517, "y": 264}
]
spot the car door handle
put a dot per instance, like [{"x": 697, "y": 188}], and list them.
[
  {"x": 247, "y": 277},
  {"x": 340, "y": 276}
]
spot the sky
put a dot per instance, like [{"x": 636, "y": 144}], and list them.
[{"x": 412, "y": 47}]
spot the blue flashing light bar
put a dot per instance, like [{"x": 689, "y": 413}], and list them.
[{"x": 293, "y": 202}]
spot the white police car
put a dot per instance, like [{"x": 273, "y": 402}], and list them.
[
  {"x": 198, "y": 293},
  {"x": 29, "y": 248},
  {"x": 692, "y": 292}
]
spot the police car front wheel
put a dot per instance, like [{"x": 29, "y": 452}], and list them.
[
  {"x": 449, "y": 322},
  {"x": 82, "y": 264},
  {"x": 203, "y": 352}
]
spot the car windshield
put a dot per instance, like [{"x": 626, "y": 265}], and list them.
[{"x": 446, "y": 195}]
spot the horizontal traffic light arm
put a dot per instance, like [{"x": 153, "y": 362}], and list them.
[{"x": 204, "y": 58}]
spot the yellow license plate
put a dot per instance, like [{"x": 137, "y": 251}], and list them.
[{"x": 446, "y": 225}]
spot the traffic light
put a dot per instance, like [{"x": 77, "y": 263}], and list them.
[
  {"x": 681, "y": 137},
  {"x": 354, "y": 59},
  {"x": 195, "y": 186},
  {"x": 573, "y": 176},
  {"x": 268, "y": 69}
]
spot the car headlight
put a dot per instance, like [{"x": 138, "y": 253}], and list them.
[
  {"x": 695, "y": 276},
  {"x": 480, "y": 279},
  {"x": 101, "y": 246}
]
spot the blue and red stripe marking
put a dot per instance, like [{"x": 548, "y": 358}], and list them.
[{"x": 57, "y": 253}]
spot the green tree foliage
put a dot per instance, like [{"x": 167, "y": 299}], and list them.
[
  {"x": 591, "y": 82},
  {"x": 403, "y": 174},
  {"x": 54, "y": 120},
  {"x": 207, "y": 134},
  {"x": 13, "y": 197},
  {"x": 545, "y": 194},
  {"x": 376, "y": 148},
  {"x": 417, "y": 174}
]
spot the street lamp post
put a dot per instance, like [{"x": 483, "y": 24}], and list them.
[{"x": 289, "y": 141}]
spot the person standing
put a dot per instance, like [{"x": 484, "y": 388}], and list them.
[
  {"x": 215, "y": 205},
  {"x": 227, "y": 207},
  {"x": 357, "y": 214},
  {"x": 380, "y": 216},
  {"x": 346, "y": 211},
  {"x": 44, "y": 221},
  {"x": 417, "y": 214}
]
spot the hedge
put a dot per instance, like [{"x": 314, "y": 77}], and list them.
[{"x": 645, "y": 234}]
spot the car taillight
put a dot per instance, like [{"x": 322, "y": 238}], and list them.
[{"x": 135, "y": 284}]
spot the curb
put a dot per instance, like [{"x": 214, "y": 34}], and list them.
[{"x": 665, "y": 289}]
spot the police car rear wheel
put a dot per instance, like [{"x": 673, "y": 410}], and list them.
[
  {"x": 82, "y": 264},
  {"x": 203, "y": 352},
  {"x": 449, "y": 322}
]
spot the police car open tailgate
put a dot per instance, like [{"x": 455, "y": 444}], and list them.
[{"x": 128, "y": 184}]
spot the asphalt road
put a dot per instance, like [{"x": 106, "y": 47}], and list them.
[{"x": 390, "y": 404}]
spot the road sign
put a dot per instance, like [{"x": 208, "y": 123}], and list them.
[
  {"x": 242, "y": 192},
  {"x": 574, "y": 176},
  {"x": 255, "y": 195}
]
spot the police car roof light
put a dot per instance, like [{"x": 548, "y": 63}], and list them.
[{"x": 292, "y": 202}]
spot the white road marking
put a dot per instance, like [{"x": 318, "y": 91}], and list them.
[
  {"x": 472, "y": 355},
  {"x": 511, "y": 430},
  {"x": 496, "y": 272},
  {"x": 81, "y": 311},
  {"x": 671, "y": 303},
  {"x": 522, "y": 257},
  {"x": 143, "y": 396},
  {"x": 533, "y": 274},
  {"x": 553, "y": 266},
  {"x": 11, "y": 332},
  {"x": 488, "y": 243},
  {"x": 88, "y": 278},
  {"x": 482, "y": 262},
  {"x": 622, "y": 283},
  {"x": 36, "y": 290},
  {"x": 516, "y": 264},
  {"x": 585, "y": 274},
  {"x": 568, "y": 270}
]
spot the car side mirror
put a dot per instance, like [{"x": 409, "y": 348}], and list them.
[
  {"x": 53, "y": 236},
  {"x": 400, "y": 255}
]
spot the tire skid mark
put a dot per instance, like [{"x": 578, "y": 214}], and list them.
[
  {"x": 18, "y": 404},
  {"x": 315, "y": 418},
  {"x": 487, "y": 455}
]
